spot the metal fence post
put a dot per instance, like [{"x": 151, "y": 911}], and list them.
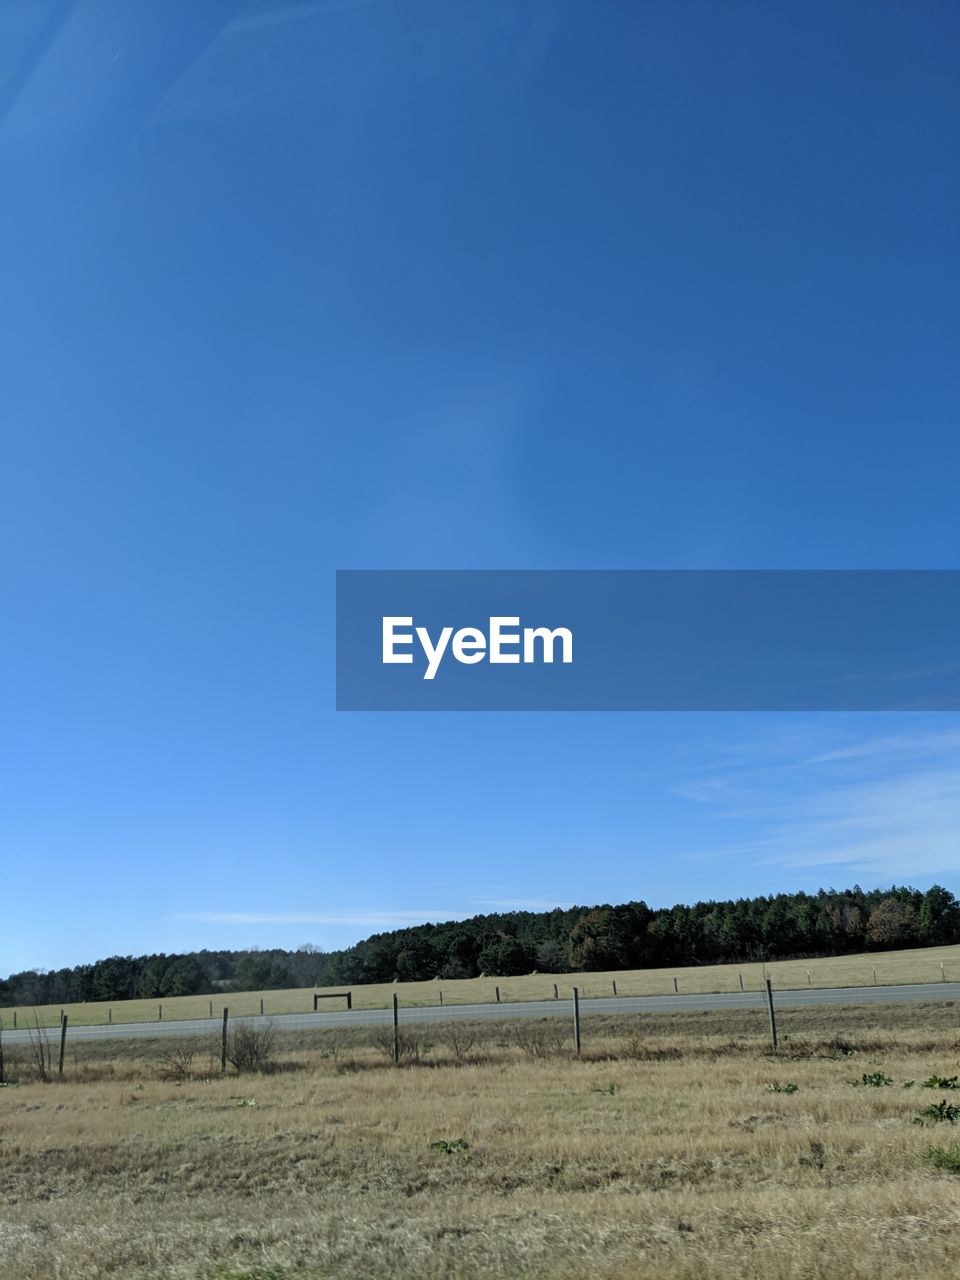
[
  {"x": 63, "y": 1043},
  {"x": 773, "y": 1016}
]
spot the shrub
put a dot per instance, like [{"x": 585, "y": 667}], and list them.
[
  {"x": 412, "y": 1049},
  {"x": 776, "y": 1087},
  {"x": 539, "y": 1039},
  {"x": 458, "y": 1037},
  {"x": 176, "y": 1059},
  {"x": 251, "y": 1048}
]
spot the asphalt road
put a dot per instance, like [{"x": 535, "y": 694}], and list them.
[{"x": 803, "y": 997}]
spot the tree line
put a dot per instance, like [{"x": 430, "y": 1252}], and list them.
[{"x": 629, "y": 936}]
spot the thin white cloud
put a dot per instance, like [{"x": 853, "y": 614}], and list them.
[{"x": 883, "y": 806}]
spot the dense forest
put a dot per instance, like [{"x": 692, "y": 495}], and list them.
[{"x": 829, "y": 922}]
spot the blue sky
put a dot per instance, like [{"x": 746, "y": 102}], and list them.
[{"x": 447, "y": 284}]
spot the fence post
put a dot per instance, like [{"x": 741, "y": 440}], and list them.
[
  {"x": 159, "y": 1012},
  {"x": 440, "y": 993},
  {"x": 396, "y": 1032},
  {"x": 211, "y": 1008},
  {"x": 556, "y": 993},
  {"x": 943, "y": 976},
  {"x": 110, "y": 1015},
  {"x": 63, "y": 1043},
  {"x": 675, "y": 986},
  {"x": 808, "y": 977},
  {"x": 773, "y": 1016},
  {"x": 223, "y": 1042},
  {"x": 741, "y": 980},
  {"x": 14, "y": 1019},
  {"x": 349, "y": 999},
  {"x": 315, "y": 997},
  {"x": 261, "y": 1006},
  {"x": 498, "y": 995},
  {"x": 613, "y": 983},
  {"x": 874, "y": 977},
  {"x": 576, "y": 1018}
]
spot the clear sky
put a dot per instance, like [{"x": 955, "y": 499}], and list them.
[{"x": 460, "y": 284}]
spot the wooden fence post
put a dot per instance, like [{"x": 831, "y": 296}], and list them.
[
  {"x": 556, "y": 993},
  {"x": 741, "y": 981},
  {"x": 14, "y": 1019},
  {"x": 943, "y": 976},
  {"x": 349, "y": 999},
  {"x": 223, "y": 1042},
  {"x": 874, "y": 977},
  {"x": 261, "y": 1006},
  {"x": 396, "y": 1032},
  {"x": 498, "y": 995},
  {"x": 675, "y": 986},
  {"x": 159, "y": 1012},
  {"x": 576, "y": 1018},
  {"x": 613, "y": 984},
  {"x": 63, "y": 1043},
  {"x": 773, "y": 1016},
  {"x": 211, "y": 1008},
  {"x": 440, "y": 994},
  {"x": 110, "y": 1015}
]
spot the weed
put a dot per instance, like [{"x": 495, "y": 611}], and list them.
[
  {"x": 940, "y": 1082},
  {"x": 937, "y": 1112},
  {"x": 947, "y": 1158},
  {"x": 776, "y": 1087},
  {"x": 450, "y": 1145},
  {"x": 872, "y": 1079}
]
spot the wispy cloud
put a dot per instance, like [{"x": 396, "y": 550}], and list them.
[{"x": 880, "y": 806}]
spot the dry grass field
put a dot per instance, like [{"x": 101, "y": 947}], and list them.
[
  {"x": 890, "y": 967},
  {"x": 677, "y": 1147}
]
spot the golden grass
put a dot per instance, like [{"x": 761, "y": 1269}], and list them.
[
  {"x": 660, "y": 1154},
  {"x": 890, "y": 967}
]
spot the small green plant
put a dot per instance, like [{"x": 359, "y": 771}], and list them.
[
  {"x": 940, "y": 1082},
  {"x": 450, "y": 1145},
  {"x": 610, "y": 1089},
  {"x": 938, "y": 1112},
  {"x": 776, "y": 1087},
  {"x": 947, "y": 1158},
  {"x": 872, "y": 1080}
]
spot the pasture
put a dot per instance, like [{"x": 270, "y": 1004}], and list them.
[
  {"x": 929, "y": 964},
  {"x": 677, "y": 1146}
]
